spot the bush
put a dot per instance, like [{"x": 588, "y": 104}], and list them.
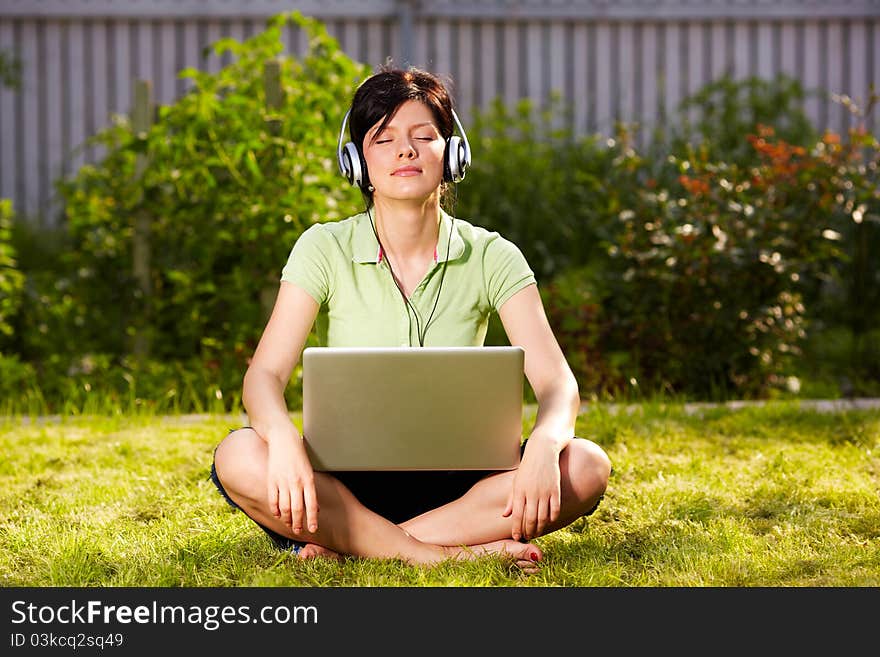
[
  {"x": 728, "y": 109},
  {"x": 18, "y": 384},
  {"x": 685, "y": 274},
  {"x": 228, "y": 182},
  {"x": 11, "y": 279},
  {"x": 577, "y": 313},
  {"x": 699, "y": 285},
  {"x": 227, "y": 179},
  {"x": 49, "y": 320},
  {"x": 846, "y": 299},
  {"x": 551, "y": 194}
]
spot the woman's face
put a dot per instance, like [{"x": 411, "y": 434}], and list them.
[{"x": 405, "y": 160}]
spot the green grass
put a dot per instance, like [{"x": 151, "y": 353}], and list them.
[{"x": 768, "y": 496}]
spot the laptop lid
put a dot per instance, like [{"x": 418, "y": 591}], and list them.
[{"x": 402, "y": 408}]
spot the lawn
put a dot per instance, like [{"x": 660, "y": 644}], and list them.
[{"x": 776, "y": 495}]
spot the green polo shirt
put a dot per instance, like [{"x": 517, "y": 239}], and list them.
[{"x": 340, "y": 266}]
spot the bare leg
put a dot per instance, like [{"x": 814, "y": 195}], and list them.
[
  {"x": 476, "y": 518},
  {"x": 344, "y": 525}
]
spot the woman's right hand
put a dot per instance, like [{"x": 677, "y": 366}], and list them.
[{"x": 291, "y": 484}]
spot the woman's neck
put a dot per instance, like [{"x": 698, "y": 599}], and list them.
[{"x": 408, "y": 230}]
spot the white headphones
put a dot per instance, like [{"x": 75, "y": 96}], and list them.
[{"x": 457, "y": 156}]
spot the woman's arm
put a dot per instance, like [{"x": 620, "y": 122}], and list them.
[
  {"x": 291, "y": 491},
  {"x": 546, "y": 369},
  {"x": 535, "y": 497},
  {"x": 273, "y": 361}
]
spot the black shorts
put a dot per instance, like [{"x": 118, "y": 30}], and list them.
[{"x": 397, "y": 496}]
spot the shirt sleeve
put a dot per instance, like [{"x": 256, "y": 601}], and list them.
[
  {"x": 505, "y": 270},
  {"x": 308, "y": 265}
]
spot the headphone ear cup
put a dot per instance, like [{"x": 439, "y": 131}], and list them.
[
  {"x": 351, "y": 165},
  {"x": 455, "y": 160}
]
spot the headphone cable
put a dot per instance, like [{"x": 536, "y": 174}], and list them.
[
  {"x": 409, "y": 307},
  {"x": 397, "y": 285}
]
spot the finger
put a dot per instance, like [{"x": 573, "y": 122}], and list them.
[
  {"x": 311, "y": 499},
  {"x": 296, "y": 510},
  {"x": 530, "y": 520},
  {"x": 284, "y": 507},
  {"x": 508, "y": 508},
  {"x": 554, "y": 508},
  {"x": 517, "y": 518},
  {"x": 542, "y": 516},
  {"x": 272, "y": 495}
]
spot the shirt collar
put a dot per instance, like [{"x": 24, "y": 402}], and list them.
[{"x": 366, "y": 249}]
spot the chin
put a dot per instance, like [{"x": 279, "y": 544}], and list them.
[{"x": 410, "y": 192}]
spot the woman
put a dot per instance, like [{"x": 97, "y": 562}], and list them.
[{"x": 366, "y": 272}]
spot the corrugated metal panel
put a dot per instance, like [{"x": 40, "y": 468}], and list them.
[{"x": 631, "y": 60}]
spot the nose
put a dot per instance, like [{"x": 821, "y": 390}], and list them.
[{"x": 406, "y": 150}]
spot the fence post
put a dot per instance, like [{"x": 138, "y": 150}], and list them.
[
  {"x": 274, "y": 102},
  {"x": 274, "y": 94},
  {"x": 141, "y": 120},
  {"x": 405, "y": 16}
]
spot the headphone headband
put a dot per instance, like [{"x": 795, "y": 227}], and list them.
[{"x": 339, "y": 144}]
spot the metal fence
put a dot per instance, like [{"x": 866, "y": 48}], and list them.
[{"x": 632, "y": 60}]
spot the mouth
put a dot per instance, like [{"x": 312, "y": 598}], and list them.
[{"x": 406, "y": 171}]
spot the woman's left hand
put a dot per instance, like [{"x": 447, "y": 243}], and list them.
[{"x": 533, "y": 503}]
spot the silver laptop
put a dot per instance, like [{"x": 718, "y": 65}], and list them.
[{"x": 402, "y": 408}]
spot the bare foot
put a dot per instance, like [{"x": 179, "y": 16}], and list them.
[
  {"x": 312, "y": 551},
  {"x": 525, "y": 555}
]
